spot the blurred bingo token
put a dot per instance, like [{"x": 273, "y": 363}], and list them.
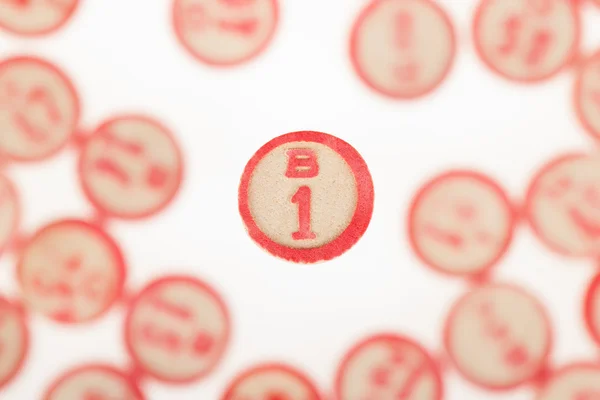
[
  {"x": 306, "y": 197},
  {"x": 35, "y": 17},
  {"x": 9, "y": 211},
  {"x": 562, "y": 205},
  {"x": 587, "y": 95},
  {"x": 577, "y": 382},
  {"x": 527, "y": 40},
  {"x": 225, "y": 32},
  {"x": 94, "y": 382},
  {"x": 271, "y": 382},
  {"x": 39, "y": 109},
  {"x": 387, "y": 367},
  {"x": 177, "y": 329},
  {"x": 14, "y": 341},
  {"x": 71, "y": 271},
  {"x": 498, "y": 336},
  {"x": 461, "y": 223},
  {"x": 592, "y": 309},
  {"x": 403, "y": 48},
  {"x": 131, "y": 167}
]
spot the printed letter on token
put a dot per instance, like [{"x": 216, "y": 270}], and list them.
[
  {"x": 575, "y": 382},
  {"x": 9, "y": 212},
  {"x": 14, "y": 341},
  {"x": 35, "y": 17}
]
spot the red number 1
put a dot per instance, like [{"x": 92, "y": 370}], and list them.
[{"x": 302, "y": 198}]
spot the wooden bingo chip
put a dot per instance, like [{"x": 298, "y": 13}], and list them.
[
  {"x": 225, "y": 32},
  {"x": 71, "y": 272},
  {"x": 306, "y": 197},
  {"x": 562, "y": 205},
  {"x": 574, "y": 382},
  {"x": 498, "y": 336},
  {"x": 271, "y": 382},
  {"x": 94, "y": 382},
  {"x": 388, "y": 367},
  {"x": 14, "y": 341},
  {"x": 131, "y": 167},
  {"x": 35, "y": 17},
  {"x": 461, "y": 223},
  {"x": 402, "y": 48},
  {"x": 177, "y": 329},
  {"x": 527, "y": 40},
  {"x": 9, "y": 212},
  {"x": 592, "y": 309},
  {"x": 39, "y": 109},
  {"x": 587, "y": 95}
]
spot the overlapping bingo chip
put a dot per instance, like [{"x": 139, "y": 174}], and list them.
[
  {"x": 461, "y": 223},
  {"x": 39, "y": 109},
  {"x": 587, "y": 95},
  {"x": 388, "y": 367},
  {"x": 9, "y": 211},
  {"x": 306, "y": 197},
  {"x": 574, "y": 382},
  {"x": 271, "y": 382},
  {"x": 527, "y": 40},
  {"x": 563, "y": 205},
  {"x": 498, "y": 336},
  {"x": 402, "y": 48},
  {"x": 35, "y": 17},
  {"x": 177, "y": 329},
  {"x": 131, "y": 167},
  {"x": 225, "y": 32},
  {"x": 71, "y": 271},
  {"x": 94, "y": 382},
  {"x": 14, "y": 341},
  {"x": 592, "y": 309}
]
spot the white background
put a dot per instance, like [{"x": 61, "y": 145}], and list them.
[{"x": 123, "y": 57}]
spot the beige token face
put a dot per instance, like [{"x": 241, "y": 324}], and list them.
[
  {"x": 71, "y": 272},
  {"x": 9, "y": 211},
  {"x": 461, "y": 223},
  {"x": 131, "y": 167},
  {"x": 576, "y": 382},
  {"x": 14, "y": 341},
  {"x": 587, "y": 95},
  {"x": 177, "y": 329},
  {"x": 388, "y": 367},
  {"x": 526, "y": 40},
  {"x": 225, "y": 32},
  {"x": 39, "y": 109},
  {"x": 94, "y": 382},
  {"x": 403, "y": 48},
  {"x": 35, "y": 17},
  {"x": 498, "y": 336}
]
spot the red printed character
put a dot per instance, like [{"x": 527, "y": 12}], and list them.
[
  {"x": 177, "y": 329},
  {"x": 131, "y": 167},
  {"x": 14, "y": 341},
  {"x": 388, "y": 367},
  {"x": 39, "y": 109},
  {"x": 403, "y": 48},
  {"x": 461, "y": 223},
  {"x": 587, "y": 95},
  {"x": 527, "y": 40},
  {"x": 498, "y": 337},
  {"x": 71, "y": 272},
  {"x": 94, "y": 382},
  {"x": 225, "y": 32},
  {"x": 306, "y": 197},
  {"x": 271, "y": 381},
  {"x": 563, "y": 205},
  {"x": 9, "y": 212},
  {"x": 35, "y": 17},
  {"x": 580, "y": 381}
]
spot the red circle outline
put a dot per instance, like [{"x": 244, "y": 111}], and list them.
[
  {"x": 386, "y": 337},
  {"x": 166, "y": 280},
  {"x": 362, "y": 214},
  {"x": 588, "y": 309},
  {"x": 26, "y": 343},
  {"x": 224, "y": 64},
  {"x": 389, "y": 93},
  {"x": 18, "y": 212},
  {"x": 543, "y": 360},
  {"x": 267, "y": 367},
  {"x": 472, "y": 175},
  {"x": 577, "y": 94},
  {"x": 107, "y": 240},
  {"x": 574, "y": 52},
  {"x": 46, "y": 31},
  {"x": 88, "y": 192},
  {"x": 566, "y": 369}
]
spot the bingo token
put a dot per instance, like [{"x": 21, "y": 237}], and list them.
[
  {"x": 403, "y": 48},
  {"x": 14, "y": 341},
  {"x": 271, "y": 382},
  {"x": 71, "y": 271},
  {"x": 575, "y": 382},
  {"x": 225, "y": 32},
  {"x": 563, "y": 203},
  {"x": 526, "y": 40},
  {"x": 177, "y": 329},
  {"x": 461, "y": 223},
  {"x": 131, "y": 167},
  {"x": 498, "y": 336},
  {"x": 587, "y": 95},
  {"x": 9, "y": 211},
  {"x": 39, "y": 109},
  {"x": 306, "y": 197},
  {"x": 388, "y": 367},
  {"x": 94, "y": 382},
  {"x": 35, "y": 17},
  {"x": 592, "y": 309}
]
